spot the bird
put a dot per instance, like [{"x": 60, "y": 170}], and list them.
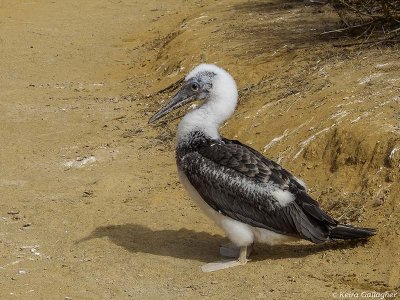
[{"x": 251, "y": 197}]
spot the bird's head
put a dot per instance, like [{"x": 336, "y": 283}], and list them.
[{"x": 206, "y": 82}]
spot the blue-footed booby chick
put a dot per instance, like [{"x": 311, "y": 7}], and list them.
[{"x": 249, "y": 196}]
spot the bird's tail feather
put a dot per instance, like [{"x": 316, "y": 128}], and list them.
[{"x": 347, "y": 232}]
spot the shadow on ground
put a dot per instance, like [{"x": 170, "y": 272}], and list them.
[
  {"x": 200, "y": 246},
  {"x": 301, "y": 249},
  {"x": 182, "y": 243},
  {"x": 286, "y": 24}
]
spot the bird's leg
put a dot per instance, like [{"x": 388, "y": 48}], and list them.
[
  {"x": 225, "y": 264},
  {"x": 243, "y": 255},
  {"x": 232, "y": 251}
]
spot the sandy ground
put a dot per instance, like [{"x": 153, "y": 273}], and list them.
[{"x": 91, "y": 206}]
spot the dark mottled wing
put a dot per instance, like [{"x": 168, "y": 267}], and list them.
[
  {"x": 303, "y": 199},
  {"x": 233, "y": 180},
  {"x": 277, "y": 173}
]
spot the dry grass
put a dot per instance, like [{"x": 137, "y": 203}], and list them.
[{"x": 373, "y": 21}]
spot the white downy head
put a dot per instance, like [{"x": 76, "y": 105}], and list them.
[
  {"x": 216, "y": 88},
  {"x": 220, "y": 100}
]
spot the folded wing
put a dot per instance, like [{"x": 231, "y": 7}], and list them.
[{"x": 240, "y": 183}]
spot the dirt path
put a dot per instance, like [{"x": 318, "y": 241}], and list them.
[{"x": 91, "y": 206}]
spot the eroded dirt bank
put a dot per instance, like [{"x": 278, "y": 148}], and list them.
[{"x": 91, "y": 206}]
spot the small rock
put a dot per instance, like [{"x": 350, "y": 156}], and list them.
[
  {"x": 379, "y": 201},
  {"x": 87, "y": 193}
]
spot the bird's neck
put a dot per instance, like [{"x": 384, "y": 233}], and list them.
[{"x": 209, "y": 116}]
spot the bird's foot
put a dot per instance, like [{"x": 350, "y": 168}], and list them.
[
  {"x": 225, "y": 264},
  {"x": 232, "y": 251},
  {"x": 220, "y": 265}
]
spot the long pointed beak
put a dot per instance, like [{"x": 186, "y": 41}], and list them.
[{"x": 177, "y": 101}]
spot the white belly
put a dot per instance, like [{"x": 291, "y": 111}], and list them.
[{"x": 239, "y": 233}]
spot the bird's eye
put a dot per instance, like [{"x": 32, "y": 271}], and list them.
[{"x": 194, "y": 87}]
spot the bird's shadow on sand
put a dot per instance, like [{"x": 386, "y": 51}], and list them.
[{"x": 200, "y": 246}]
